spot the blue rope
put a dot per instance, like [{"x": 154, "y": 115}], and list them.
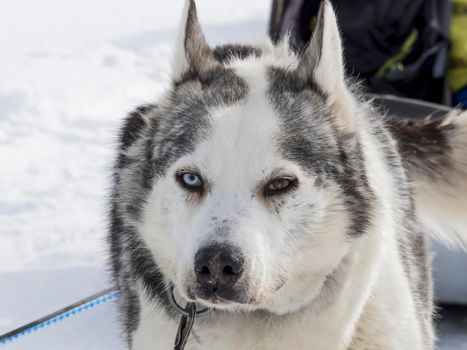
[{"x": 105, "y": 298}]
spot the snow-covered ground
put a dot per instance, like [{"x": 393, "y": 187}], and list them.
[{"x": 69, "y": 72}]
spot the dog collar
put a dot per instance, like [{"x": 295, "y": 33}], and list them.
[
  {"x": 183, "y": 311},
  {"x": 188, "y": 315}
]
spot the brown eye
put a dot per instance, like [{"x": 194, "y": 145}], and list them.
[{"x": 279, "y": 185}]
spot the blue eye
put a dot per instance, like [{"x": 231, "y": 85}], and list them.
[{"x": 190, "y": 181}]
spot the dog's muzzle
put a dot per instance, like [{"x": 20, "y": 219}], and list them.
[{"x": 219, "y": 269}]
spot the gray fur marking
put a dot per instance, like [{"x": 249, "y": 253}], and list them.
[{"x": 310, "y": 138}]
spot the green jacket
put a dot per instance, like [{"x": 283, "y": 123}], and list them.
[{"x": 458, "y": 53}]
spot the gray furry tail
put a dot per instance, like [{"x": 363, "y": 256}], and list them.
[{"x": 434, "y": 151}]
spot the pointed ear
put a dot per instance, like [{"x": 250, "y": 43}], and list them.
[
  {"x": 192, "y": 52},
  {"x": 322, "y": 58},
  {"x": 322, "y": 63}
]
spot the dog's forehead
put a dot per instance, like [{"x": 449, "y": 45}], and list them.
[
  {"x": 239, "y": 138},
  {"x": 279, "y": 121},
  {"x": 242, "y": 138},
  {"x": 246, "y": 117}
]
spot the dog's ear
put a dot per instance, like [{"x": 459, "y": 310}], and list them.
[
  {"x": 322, "y": 64},
  {"x": 322, "y": 59},
  {"x": 192, "y": 52}
]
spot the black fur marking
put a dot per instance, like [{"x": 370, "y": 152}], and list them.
[
  {"x": 220, "y": 85},
  {"x": 225, "y": 53},
  {"x": 286, "y": 81},
  {"x": 223, "y": 86},
  {"x": 129, "y": 305},
  {"x": 180, "y": 130},
  {"x": 354, "y": 184},
  {"x": 124, "y": 161},
  {"x": 423, "y": 145},
  {"x": 145, "y": 268},
  {"x": 134, "y": 124}
]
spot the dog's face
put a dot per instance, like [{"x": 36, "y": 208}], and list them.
[{"x": 249, "y": 207}]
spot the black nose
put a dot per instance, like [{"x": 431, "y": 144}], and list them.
[{"x": 218, "y": 267}]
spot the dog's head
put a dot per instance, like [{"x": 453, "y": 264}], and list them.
[{"x": 259, "y": 187}]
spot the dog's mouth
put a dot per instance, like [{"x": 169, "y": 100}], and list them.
[
  {"x": 218, "y": 296},
  {"x": 243, "y": 294}
]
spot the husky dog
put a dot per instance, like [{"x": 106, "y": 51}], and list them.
[{"x": 265, "y": 187}]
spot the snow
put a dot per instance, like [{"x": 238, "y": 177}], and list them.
[{"x": 69, "y": 72}]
